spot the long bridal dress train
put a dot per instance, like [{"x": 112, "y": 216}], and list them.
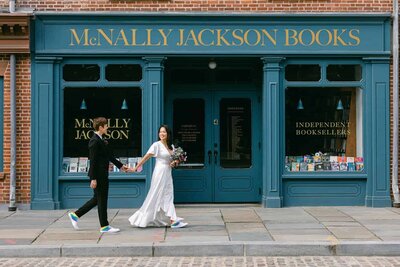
[{"x": 158, "y": 208}]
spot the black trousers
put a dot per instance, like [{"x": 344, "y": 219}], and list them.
[{"x": 100, "y": 198}]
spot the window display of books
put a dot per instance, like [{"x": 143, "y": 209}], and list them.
[
  {"x": 323, "y": 162},
  {"x": 81, "y": 164}
]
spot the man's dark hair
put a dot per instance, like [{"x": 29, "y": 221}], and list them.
[{"x": 99, "y": 121}]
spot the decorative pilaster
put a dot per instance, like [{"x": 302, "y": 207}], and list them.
[
  {"x": 153, "y": 101},
  {"x": 42, "y": 132},
  {"x": 272, "y": 101},
  {"x": 377, "y": 123}
]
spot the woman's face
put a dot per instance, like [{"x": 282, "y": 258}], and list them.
[{"x": 162, "y": 134}]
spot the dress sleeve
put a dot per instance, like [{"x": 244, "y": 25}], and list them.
[{"x": 153, "y": 149}]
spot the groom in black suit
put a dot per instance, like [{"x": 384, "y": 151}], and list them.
[{"x": 99, "y": 155}]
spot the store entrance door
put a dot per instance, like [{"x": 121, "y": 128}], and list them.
[{"x": 219, "y": 131}]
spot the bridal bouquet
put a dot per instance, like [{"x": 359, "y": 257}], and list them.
[{"x": 179, "y": 155}]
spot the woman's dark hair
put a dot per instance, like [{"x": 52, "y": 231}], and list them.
[{"x": 169, "y": 135}]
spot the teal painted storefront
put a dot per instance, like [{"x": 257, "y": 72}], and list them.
[{"x": 250, "y": 86}]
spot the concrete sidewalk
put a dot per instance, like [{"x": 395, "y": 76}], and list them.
[{"x": 214, "y": 230}]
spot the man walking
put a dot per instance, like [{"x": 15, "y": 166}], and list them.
[{"x": 100, "y": 155}]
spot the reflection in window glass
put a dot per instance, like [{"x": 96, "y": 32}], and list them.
[
  {"x": 303, "y": 73},
  {"x": 123, "y": 72},
  {"x": 123, "y": 109},
  {"x": 235, "y": 133},
  {"x": 81, "y": 72},
  {"x": 343, "y": 72},
  {"x": 324, "y": 129},
  {"x": 188, "y": 130}
]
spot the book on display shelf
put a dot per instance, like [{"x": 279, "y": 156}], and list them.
[
  {"x": 303, "y": 166},
  {"x": 295, "y": 166},
  {"x": 82, "y": 164},
  {"x": 65, "y": 164},
  {"x": 319, "y": 166},
  {"x": 343, "y": 166},
  {"x": 335, "y": 166},
  {"x": 73, "y": 165},
  {"x": 311, "y": 167},
  {"x": 351, "y": 167}
]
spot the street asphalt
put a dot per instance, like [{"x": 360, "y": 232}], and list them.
[{"x": 213, "y": 230}]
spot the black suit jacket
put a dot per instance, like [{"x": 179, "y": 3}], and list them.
[{"x": 100, "y": 156}]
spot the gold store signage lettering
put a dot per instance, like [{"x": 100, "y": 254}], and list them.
[
  {"x": 118, "y": 128},
  {"x": 214, "y": 37},
  {"x": 332, "y": 128}
]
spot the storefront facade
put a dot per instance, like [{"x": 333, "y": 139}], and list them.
[{"x": 283, "y": 110}]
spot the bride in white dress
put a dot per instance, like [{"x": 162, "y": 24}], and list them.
[{"x": 158, "y": 208}]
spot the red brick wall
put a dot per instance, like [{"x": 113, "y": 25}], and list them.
[
  {"x": 212, "y": 5},
  {"x": 23, "y": 107}
]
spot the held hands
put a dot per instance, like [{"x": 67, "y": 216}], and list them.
[
  {"x": 136, "y": 169},
  {"x": 124, "y": 168}
]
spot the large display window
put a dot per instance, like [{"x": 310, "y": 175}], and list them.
[
  {"x": 121, "y": 105},
  {"x": 324, "y": 125}
]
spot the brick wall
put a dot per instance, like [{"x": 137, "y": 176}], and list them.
[
  {"x": 211, "y": 5},
  {"x": 23, "y": 107}
]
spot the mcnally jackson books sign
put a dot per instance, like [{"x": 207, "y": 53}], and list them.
[
  {"x": 225, "y": 35},
  {"x": 218, "y": 37}
]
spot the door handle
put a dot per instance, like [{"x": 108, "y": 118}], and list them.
[
  {"x": 209, "y": 156},
  {"x": 215, "y": 156}
]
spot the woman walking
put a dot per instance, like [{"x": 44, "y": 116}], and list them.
[{"x": 158, "y": 208}]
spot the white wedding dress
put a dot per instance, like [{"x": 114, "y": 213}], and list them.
[{"x": 158, "y": 208}]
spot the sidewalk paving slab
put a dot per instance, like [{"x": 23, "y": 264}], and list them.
[{"x": 213, "y": 230}]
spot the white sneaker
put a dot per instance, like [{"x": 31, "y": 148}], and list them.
[
  {"x": 109, "y": 229},
  {"x": 179, "y": 219},
  {"x": 74, "y": 220},
  {"x": 178, "y": 224}
]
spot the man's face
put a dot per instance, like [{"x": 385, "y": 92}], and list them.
[{"x": 103, "y": 129}]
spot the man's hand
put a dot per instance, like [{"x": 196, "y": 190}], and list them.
[
  {"x": 124, "y": 168},
  {"x": 93, "y": 184}
]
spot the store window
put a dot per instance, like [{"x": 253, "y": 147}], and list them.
[
  {"x": 324, "y": 129},
  {"x": 303, "y": 72},
  {"x": 343, "y": 72},
  {"x": 81, "y": 72},
  {"x": 123, "y": 72},
  {"x": 123, "y": 109}
]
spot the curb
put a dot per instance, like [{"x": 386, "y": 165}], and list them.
[{"x": 201, "y": 249}]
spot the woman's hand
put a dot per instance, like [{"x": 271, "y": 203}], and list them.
[{"x": 174, "y": 163}]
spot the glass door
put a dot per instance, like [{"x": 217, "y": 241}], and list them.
[
  {"x": 193, "y": 181},
  {"x": 236, "y": 147},
  {"x": 217, "y": 130}
]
